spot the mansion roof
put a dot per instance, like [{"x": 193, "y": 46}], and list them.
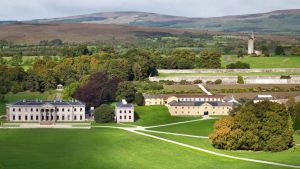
[
  {"x": 199, "y": 103},
  {"x": 166, "y": 96},
  {"x": 122, "y": 105},
  {"x": 41, "y": 103}
]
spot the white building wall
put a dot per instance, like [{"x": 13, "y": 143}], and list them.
[{"x": 124, "y": 114}]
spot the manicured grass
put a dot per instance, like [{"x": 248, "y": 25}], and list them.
[
  {"x": 156, "y": 115},
  {"x": 201, "y": 128},
  {"x": 11, "y": 98},
  {"x": 290, "y": 156},
  {"x": 228, "y": 74},
  {"x": 297, "y": 138},
  {"x": 102, "y": 148},
  {"x": 265, "y": 62}
]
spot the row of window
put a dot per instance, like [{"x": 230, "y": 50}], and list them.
[
  {"x": 197, "y": 112},
  {"x": 200, "y": 99},
  {"x": 125, "y": 117},
  {"x": 57, "y": 109},
  {"x": 199, "y": 107},
  {"x": 36, "y": 117},
  {"x": 129, "y": 111}
]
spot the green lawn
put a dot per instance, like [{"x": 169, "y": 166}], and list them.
[
  {"x": 290, "y": 156},
  {"x": 265, "y": 62},
  {"x": 102, "y": 148},
  {"x": 11, "y": 98},
  {"x": 156, "y": 115},
  {"x": 228, "y": 74},
  {"x": 201, "y": 128}
]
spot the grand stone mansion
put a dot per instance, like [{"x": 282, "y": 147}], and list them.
[{"x": 45, "y": 111}]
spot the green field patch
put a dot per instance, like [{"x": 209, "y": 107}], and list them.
[
  {"x": 156, "y": 115},
  {"x": 290, "y": 156},
  {"x": 264, "y": 62},
  {"x": 228, "y": 74},
  {"x": 199, "y": 128},
  {"x": 102, "y": 148}
]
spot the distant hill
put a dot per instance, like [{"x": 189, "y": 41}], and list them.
[
  {"x": 83, "y": 32},
  {"x": 276, "y": 22}
]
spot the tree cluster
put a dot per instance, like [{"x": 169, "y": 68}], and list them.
[{"x": 264, "y": 126}]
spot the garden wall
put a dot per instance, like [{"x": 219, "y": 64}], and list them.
[
  {"x": 233, "y": 79},
  {"x": 291, "y": 70}
]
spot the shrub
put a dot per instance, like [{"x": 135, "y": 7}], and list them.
[
  {"x": 240, "y": 80},
  {"x": 183, "y": 82},
  {"x": 104, "y": 114},
  {"x": 238, "y": 65},
  {"x": 197, "y": 81},
  {"x": 139, "y": 99},
  {"x": 209, "y": 82},
  {"x": 218, "y": 81}
]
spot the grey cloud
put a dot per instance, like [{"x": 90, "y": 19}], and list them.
[{"x": 33, "y": 9}]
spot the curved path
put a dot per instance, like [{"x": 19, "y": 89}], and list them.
[{"x": 138, "y": 129}]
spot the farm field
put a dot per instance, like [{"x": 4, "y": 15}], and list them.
[
  {"x": 264, "y": 62},
  {"x": 11, "y": 98},
  {"x": 101, "y": 148},
  {"x": 229, "y": 74},
  {"x": 156, "y": 115},
  {"x": 116, "y": 148}
]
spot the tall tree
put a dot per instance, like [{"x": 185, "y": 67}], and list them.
[
  {"x": 126, "y": 90},
  {"x": 98, "y": 90},
  {"x": 210, "y": 59}
]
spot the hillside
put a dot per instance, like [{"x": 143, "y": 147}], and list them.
[
  {"x": 81, "y": 32},
  {"x": 90, "y": 32},
  {"x": 276, "y": 22}
]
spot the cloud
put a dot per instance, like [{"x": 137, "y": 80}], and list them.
[{"x": 34, "y": 9}]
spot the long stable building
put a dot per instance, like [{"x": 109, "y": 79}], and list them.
[
  {"x": 192, "y": 105},
  {"x": 162, "y": 99},
  {"x": 45, "y": 111}
]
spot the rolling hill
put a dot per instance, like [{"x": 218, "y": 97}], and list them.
[{"x": 276, "y": 22}]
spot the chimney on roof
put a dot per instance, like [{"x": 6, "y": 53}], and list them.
[
  {"x": 24, "y": 100},
  {"x": 124, "y": 101},
  {"x": 36, "y": 100}
]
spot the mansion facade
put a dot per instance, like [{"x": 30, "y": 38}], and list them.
[{"x": 45, "y": 111}]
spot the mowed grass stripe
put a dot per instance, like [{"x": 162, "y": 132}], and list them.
[{"x": 101, "y": 148}]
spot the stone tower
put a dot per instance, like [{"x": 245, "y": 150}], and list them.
[{"x": 251, "y": 44}]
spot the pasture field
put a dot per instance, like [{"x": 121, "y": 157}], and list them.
[
  {"x": 228, "y": 74},
  {"x": 264, "y": 62},
  {"x": 156, "y": 115},
  {"x": 102, "y": 148},
  {"x": 116, "y": 148},
  {"x": 11, "y": 98}
]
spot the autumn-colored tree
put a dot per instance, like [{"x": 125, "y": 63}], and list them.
[{"x": 265, "y": 126}]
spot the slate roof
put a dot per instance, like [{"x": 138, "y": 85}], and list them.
[
  {"x": 53, "y": 102},
  {"x": 166, "y": 96},
  {"x": 199, "y": 103},
  {"x": 128, "y": 105}
]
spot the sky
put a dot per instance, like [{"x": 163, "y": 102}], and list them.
[{"x": 40, "y": 9}]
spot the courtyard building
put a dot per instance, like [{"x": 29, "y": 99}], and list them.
[
  {"x": 124, "y": 112},
  {"x": 198, "y": 108},
  {"x": 260, "y": 98},
  {"x": 45, "y": 111},
  {"x": 163, "y": 99}
]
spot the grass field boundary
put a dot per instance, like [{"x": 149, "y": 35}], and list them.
[
  {"x": 182, "y": 122},
  {"x": 212, "y": 152},
  {"x": 176, "y": 134}
]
